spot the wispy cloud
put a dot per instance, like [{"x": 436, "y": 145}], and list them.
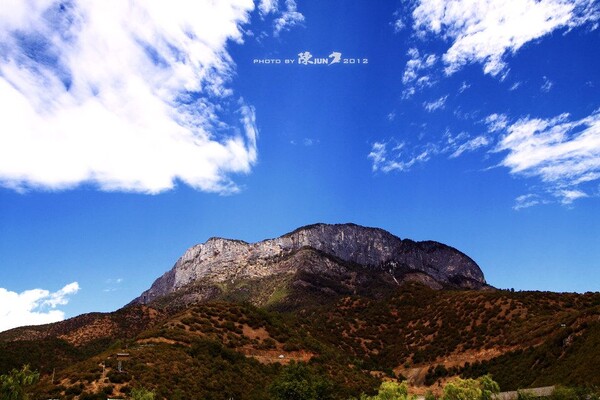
[
  {"x": 391, "y": 155},
  {"x": 563, "y": 153},
  {"x": 416, "y": 73},
  {"x": 436, "y": 104},
  {"x": 464, "y": 86},
  {"x": 526, "y": 201},
  {"x": 126, "y": 95},
  {"x": 471, "y": 145},
  {"x": 307, "y": 142},
  {"x": 267, "y": 6},
  {"x": 289, "y": 18},
  {"x": 400, "y": 17},
  {"x": 398, "y": 25},
  {"x": 496, "y": 122},
  {"x": 385, "y": 160},
  {"x": 567, "y": 196},
  {"x": 547, "y": 85},
  {"x": 487, "y": 31},
  {"x": 514, "y": 86},
  {"x": 112, "y": 284},
  {"x": 33, "y": 307}
]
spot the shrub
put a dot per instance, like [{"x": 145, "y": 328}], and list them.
[
  {"x": 297, "y": 382},
  {"x": 482, "y": 388},
  {"x": 142, "y": 394},
  {"x": 390, "y": 391}
]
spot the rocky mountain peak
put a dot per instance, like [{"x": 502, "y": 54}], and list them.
[{"x": 219, "y": 261}]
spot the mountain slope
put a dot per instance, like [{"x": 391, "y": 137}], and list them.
[
  {"x": 523, "y": 339},
  {"x": 59, "y": 344}
]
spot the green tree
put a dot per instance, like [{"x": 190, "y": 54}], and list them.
[
  {"x": 13, "y": 386},
  {"x": 482, "y": 388},
  {"x": 389, "y": 391},
  {"x": 565, "y": 393},
  {"x": 298, "y": 382},
  {"x": 462, "y": 389},
  {"x": 141, "y": 394},
  {"x": 429, "y": 395},
  {"x": 488, "y": 386},
  {"x": 522, "y": 395}
]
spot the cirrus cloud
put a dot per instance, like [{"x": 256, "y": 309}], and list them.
[
  {"x": 128, "y": 96},
  {"x": 563, "y": 153},
  {"x": 560, "y": 152},
  {"x": 487, "y": 31}
]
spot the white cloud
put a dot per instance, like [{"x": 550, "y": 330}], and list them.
[
  {"x": 464, "y": 86},
  {"x": 515, "y": 86},
  {"x": 568, "y": 196},
  {"x": 486, "y": 31},
  {"x": 436, "y": 104},
  {"x": 398, "y": 25},
  {"x": 415, "y": 73},
  {"x": 378, "y": 155},
  {"x": 526, "y": 201},
  {"x": 403, "y": 156},
  {"x": 33, "y": 307},
  {"x": 126, "y": 95},
  {"x": 547, "y": 85},
  {"x": 564, "y": 154},
  {"x": 471, "y": 145},
  {"x": 289, "y": 18},
  {"x": 268, "y": 6},
  {"x": 496, "y": 122},
  {"x": 396, "y": 159}
]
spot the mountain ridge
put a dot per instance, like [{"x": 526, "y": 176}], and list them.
[{"x": 220, "y": 261}]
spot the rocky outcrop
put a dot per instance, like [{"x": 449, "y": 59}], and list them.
[{"x": 223, "y": 261}]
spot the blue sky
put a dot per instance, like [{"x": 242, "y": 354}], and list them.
[{"x": 131, "y": 131}]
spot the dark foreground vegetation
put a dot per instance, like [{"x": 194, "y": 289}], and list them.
[{"x": 297, "y": 381}]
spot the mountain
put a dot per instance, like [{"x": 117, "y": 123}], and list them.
[
  {"x": 335, "y": 259},
  {"x": 355, "y": 305}
]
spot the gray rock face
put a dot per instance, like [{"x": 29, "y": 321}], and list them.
[{"x": 226, "y": 261}]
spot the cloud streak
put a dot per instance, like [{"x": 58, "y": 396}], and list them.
[
  {"x": 398, "y": 158},
  {"x": 437, "y": 104},
  {"x": 33, "y": 307},
  {"x": 127, "y": 96},
  {"x": 562, "y": 153},
  {"x": 487, "y": 31}
]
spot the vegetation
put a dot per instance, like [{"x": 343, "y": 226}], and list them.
[
  {"x": 298, "y": 382},
  {"x": 15, "y": 384},
  {"x": 390, "y": 391},
  {"x": 471, "y": 389},
  {"x": 337, "y": 347},
  {"x": 141, "y": 394}
]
